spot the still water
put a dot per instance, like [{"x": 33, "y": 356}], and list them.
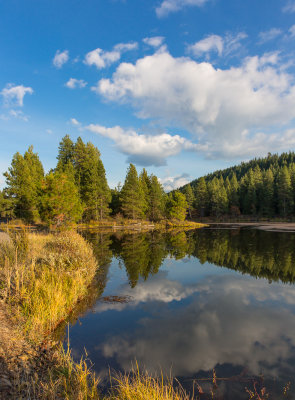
[{"x": 193, "y": 302}]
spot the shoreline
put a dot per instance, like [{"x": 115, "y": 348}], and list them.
[{"x": 264, "y": 226}]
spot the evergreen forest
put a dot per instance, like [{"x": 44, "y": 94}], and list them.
[
  {"x": 263, "y": 187},
  {"x": 77, "y": 190}
]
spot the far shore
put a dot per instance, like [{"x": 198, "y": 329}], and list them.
[{"x": 264, "y": 226}]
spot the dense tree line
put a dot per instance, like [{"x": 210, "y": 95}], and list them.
[
  {"x": 262, "y": 187},
  {"x": 77, "y": 190}
]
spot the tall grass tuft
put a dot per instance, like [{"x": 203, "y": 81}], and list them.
[
  {"x": 139, "y": 386},
  {"x": 46, "y": 278}
]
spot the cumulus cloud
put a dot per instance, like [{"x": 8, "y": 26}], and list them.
[
  {"x": 102, "y": 59},
  {"x": 289, "y": 7},
  {"x": 143, "y": 149},
  {"x": 60, "y": 58},
  {"x": 217, "y": 44},
  {"x": 73, "y": 83},
  {"x": 174, "y": 182},
  {"x": 198, "y": 335},
  {"x": 221, "y": 107},
  {"x": 169, "y": 6},
  {"x": 269, "y": 35},
  {"x": 14, "y": 95},
  {"x": 155, "y": 41}
]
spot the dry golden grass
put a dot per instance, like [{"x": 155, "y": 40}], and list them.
[
  {"x": 138, "y": 386},
  {"x": 45, "y": 284}
]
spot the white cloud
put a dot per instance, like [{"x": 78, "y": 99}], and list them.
[
  {"x": 73, "y": 83},
  {"x": 49, "y": 131},
  {"x": 18, "y": 114},
  {"x": 169, "y": 6},
  {"x": 215, "y": 43},
  {"x": 14, "y": 95},
  {"x": 102, "y": 59},
  {"x": 74, "y": 122},
  {"x": 174, "y": 182},
  {"x": 289, "y": 7},
  {"x": 292, "y": 31},
  {"x": 144, "y": 149},
  {"x": 60, "y": 58},
  {"x": 223, "y": 108},
  {"x": 269, "y": 35},
  {"x": 155, "y": 41},
  {"x": 210, "y": 43}
]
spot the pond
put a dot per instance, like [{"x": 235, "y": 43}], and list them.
[{"x": 193, "y": 304}]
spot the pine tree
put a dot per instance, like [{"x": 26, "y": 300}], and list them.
[
  {"x": 24, "y": 179},
  {"x": 61, "y": 203},
  {"x": 156, "y": 200},
  {"x": 249, "y": 198},
  {"x": 145, "y": 183},
  {"x": 190, "y": 198},
  {"x": 65, "y": 153},
  {"x": 91, "y": 180},
  {"x": 201, "y": 202},
  {"x": 218, "y": 197},
  {"x": 177, "y": 206},
  {"x": 132, "y": 197},
  {"x": 267, "y": 199},
  {"x": 284, "y": 190}
]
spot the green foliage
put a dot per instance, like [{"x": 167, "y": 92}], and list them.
[
  {"x": 91, "y": 180},
  {"x": 23, "y": 180},
  {"x": 156, "y": 200},
  {"x": 201, "y": 202},
  {"x": 190, "y": 198},
  {"x": 65, "y": 153},
  {"x": 132, "y": 195},
  {"x": 177, "y": 206},
  {"x": 262, "y": 187},
  {"x": 60, "y": 198},
  {"x": 284, "y": 188}
]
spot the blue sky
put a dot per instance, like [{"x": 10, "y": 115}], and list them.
[{"x": 180, "y": 87}]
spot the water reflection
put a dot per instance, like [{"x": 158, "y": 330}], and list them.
[{"x": 193, "y": 317}]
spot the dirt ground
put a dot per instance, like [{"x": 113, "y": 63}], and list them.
[{"x": 21, "y": 364}]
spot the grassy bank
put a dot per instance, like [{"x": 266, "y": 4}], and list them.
[{"x": 44, "y": 276}]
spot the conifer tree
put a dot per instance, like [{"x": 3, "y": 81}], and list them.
[
  {"x": 61, "y": 203},
  {"x": 267, "y": 199},
  {"x": 177, "y": 206},
  {"x": 156, "y": 200},
  {"x": 249, "y": 198},
  {"x": 284, "y": 190},
  {"x": 23, "y": 180},
  {"x": 65, "y": 153},
  {"x": 190, "y": 198},
  {"x": 218, "y": 197},
  {"x": 201, "y": 202},
  {"x": 91, "y": 180},
  {"x": 115, "y": 204},
  {"x": 132, "y": 197},
  {"x": 145, "y": 183}
]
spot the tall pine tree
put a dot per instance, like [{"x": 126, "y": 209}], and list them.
[{"x": 132, "y": 196}]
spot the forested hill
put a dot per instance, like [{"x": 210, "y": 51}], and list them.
[
  {"x": 273, "y": 161},
  {"x": 262, "y": 186}
]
